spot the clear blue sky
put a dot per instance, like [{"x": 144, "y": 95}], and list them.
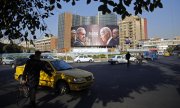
[{"x": 164, "y": 23}]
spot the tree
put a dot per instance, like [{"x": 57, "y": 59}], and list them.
[
  {"x": 21, "y": 18},
  {"x": 170, "y": 49},
  {"x": 12, "y": 48}
]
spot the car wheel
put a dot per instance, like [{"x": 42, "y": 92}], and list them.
[
  {"x": 78, "y": 61},
  {"x": 62, "y": 88},
  {"x": 13, "y": 66},
  {"x": 90, "y": 61},
  {"x": 3, "y": 63},
  {"x": 136, "y": 61}
]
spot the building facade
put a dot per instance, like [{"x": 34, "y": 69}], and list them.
[
  {"x": 88, "y": 20},
  {"x": 65, "y": 22},
  {"x": 160, "y": 44},
  {"x": 132, "y": 29},
  {"x": 106, "y": 19},
  {"x": 47, "y": 44}
]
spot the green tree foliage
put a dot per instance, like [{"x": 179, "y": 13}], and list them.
[
  {"x": 21, "y": 18},
  {"x": 11, "y": 48},
  {"x": 170, "y": 49}
]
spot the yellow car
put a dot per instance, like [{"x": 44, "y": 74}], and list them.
[
  {"x": 64, "y": 78},
  {"x": 167, "y": 54}
]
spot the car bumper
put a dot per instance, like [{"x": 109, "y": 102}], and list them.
[
  {"x": 80, "y": 86},
  {"x": 112, "y": 61},
  {"x": 16, "y": 76}
]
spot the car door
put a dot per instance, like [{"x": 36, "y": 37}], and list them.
[
  {"x": 81, "y": 58},
  {"x": 8, "y": 60},
  {"x": 45, "y": 80},
  {"x": 86, "y": 59},
  {"x": 124, "y": 59},
  {"x": 119, "y": 59}
]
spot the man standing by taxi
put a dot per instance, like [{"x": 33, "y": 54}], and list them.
[{"x": 31, "y": 75}]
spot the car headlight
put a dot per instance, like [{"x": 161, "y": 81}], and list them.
[{"x": 79, "y": 80}]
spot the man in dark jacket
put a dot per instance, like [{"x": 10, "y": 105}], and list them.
[
  {"x": 128, "y": 55},
  {"x": 31, "y": 74},
  {"x": 115, "y": 37}
]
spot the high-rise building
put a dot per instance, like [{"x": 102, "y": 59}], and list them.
[
  {"x": 106, "y": 19},
  {"x": 88, "y": 20},
  {"x": 132, "y": 29},
  {"x": 76, "y": 20},
  {"x": 64, "y": 27}
]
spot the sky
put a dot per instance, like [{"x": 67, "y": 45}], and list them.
[{"x": 162, "y": 22}]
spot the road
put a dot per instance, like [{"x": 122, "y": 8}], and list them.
[{"x": 155, "y": 84}]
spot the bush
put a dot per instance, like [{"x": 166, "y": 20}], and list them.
[{"x": 64, "y": 57}]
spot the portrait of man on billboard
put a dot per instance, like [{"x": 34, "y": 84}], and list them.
[
  {"x": 109, "y": 36},
  {"x": 80, "y": 37},
  {"x": 106, "y": 36},
  {"x": 115, "y": 37},
  {"x": 95, "y": 35},
  {"x": 73, "y": 36}
]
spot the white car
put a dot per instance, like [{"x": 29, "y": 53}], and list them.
[
  {"x": 117, "y": 59},
  {"x": 121, "y": 59},
  {"x": 83, "y": 58},
  {"x": 133, "y": 59},
  {"x": 48, "y": 57},
  {"x": 7, "y": 60}
]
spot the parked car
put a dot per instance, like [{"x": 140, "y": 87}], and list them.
[
  {"x": 120, "y": 59},
  {"x": 7, "y": 60},
  {"x": 19, "y": 62},
  {"x": 0, "y": 60},
  {"x": 132, "y": 58},
  {"x": 150, "y": 55},
  {"x": 160, "y": 53},
  {"x": 83, "y": 58},
  {"x": 117, "y": 59},
  {"x": 166, "y": 54},
  {"x": 47, "y": 56},
  {"x": 65, "y": 78}
]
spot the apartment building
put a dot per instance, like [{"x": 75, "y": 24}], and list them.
[
  {"x": 132, "y": 29},
  {"x": 47, "y": 44},
  {"x": 161, "y": 44}
]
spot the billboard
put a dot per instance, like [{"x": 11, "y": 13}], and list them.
[{"x": 95, "y": 35}]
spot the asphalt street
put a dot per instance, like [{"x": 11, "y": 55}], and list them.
[{"x": 155, "y": 84}]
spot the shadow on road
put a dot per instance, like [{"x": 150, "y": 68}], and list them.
[
  {"x": 113, "y": 83},
  {"x": 117, "y": 82}
]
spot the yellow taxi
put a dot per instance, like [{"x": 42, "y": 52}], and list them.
[
  {"x": 166, "y": 54},
  {"x": 64, "y": 79}
]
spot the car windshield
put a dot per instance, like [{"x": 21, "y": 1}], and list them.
[
  {"x": 21, "y": 61},
  {"x": 10, "y": 58},
  {"x": 113, "y": 56},
  {"x": 61, "y": 65}
]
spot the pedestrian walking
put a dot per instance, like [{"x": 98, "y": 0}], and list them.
[
  {"x": 31, "y": 75},
  {"x": 128, "y": 55}
]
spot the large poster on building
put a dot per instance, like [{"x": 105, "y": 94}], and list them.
[{"x": 95, "y": 35}]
